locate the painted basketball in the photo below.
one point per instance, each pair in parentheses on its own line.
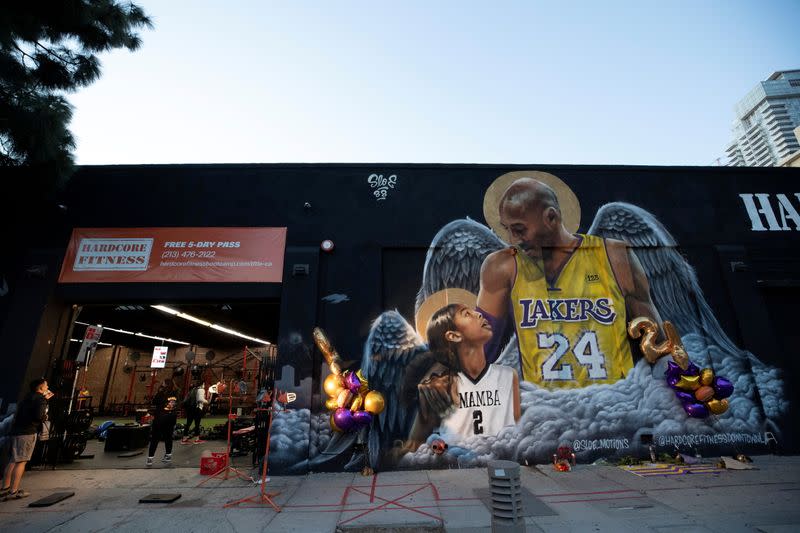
(704,393)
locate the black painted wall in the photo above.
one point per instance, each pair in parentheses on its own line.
(380,244)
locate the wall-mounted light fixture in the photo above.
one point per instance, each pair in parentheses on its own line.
(202,322)
(327,245)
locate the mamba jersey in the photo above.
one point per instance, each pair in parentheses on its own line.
(485,405)
(573,333)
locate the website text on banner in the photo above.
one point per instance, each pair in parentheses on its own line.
(103,255)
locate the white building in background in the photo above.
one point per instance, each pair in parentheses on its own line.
(792,160)
(765,119)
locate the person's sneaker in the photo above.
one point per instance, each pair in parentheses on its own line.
(4,492)
(197,440)
(18,495)
(149,461)
(167,458)
(185,440)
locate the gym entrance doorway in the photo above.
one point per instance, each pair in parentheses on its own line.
(123,360)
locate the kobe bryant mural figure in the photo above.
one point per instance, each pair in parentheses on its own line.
(569,293)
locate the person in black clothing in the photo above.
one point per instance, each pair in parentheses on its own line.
(195,405)
(165,404)
(31,412)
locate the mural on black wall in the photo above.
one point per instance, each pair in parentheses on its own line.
(520,345)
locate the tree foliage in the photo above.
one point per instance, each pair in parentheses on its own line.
(48,49)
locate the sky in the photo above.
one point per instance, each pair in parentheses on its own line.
(530,82)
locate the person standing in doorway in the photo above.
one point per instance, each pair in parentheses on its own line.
(165,404)
(31,413)
(195,405)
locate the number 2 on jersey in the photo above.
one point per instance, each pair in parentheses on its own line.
(477,420)
(586,351)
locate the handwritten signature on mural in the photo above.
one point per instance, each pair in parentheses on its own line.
(600,444)
(381,185)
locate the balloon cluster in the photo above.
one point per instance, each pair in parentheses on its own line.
(350,401)
(700,392)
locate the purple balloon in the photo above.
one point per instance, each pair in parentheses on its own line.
(685,397)
(673,371)
(692,370)
(696,410)
(344,419)
(673,381)
(362,418)
(722,388)
(352,383)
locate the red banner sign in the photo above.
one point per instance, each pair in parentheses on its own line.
(103,255)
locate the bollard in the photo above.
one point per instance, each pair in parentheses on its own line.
(506,492)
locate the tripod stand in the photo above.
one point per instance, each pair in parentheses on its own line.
(226,470)
(263,497)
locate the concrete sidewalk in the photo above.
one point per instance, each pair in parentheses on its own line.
(590,498)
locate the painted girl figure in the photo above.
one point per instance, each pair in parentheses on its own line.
(462,395)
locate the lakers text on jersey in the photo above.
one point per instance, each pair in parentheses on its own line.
(572,332)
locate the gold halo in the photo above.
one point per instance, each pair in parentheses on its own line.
(570,206)
(436,301)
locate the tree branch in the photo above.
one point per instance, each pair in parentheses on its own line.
(54,54)
(24,55)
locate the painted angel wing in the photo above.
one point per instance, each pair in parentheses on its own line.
(674,286)
(678,297)
(391,346)
(455,256)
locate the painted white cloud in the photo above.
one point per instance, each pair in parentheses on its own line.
(619,413)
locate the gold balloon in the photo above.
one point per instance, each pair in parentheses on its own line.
(357,403)
(328,351)
(706,376)
(344,397)
(330,404)
(640,325)
(679,354)
(374,403)
(689,383)
(645,327)
(364,388)
(718,406)
(332,385)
